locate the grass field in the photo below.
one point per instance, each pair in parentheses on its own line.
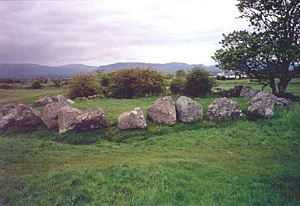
(204,163)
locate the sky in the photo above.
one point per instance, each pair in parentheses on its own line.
(103,32)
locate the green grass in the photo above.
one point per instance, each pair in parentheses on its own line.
(27,96)
(204,163)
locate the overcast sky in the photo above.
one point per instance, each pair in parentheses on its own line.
(109,31)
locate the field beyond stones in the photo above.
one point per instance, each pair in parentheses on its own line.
(239,162)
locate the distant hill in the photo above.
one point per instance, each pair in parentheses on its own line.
(167,68)
(35,70)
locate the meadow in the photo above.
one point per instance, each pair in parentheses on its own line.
(239,162)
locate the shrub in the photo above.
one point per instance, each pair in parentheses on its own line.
(83,85)
(178,84)
(36,85)
(198,83)
(56,82)
(134,82)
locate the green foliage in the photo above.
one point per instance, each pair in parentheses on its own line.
(272,49)
(198,83)
(134,82)
(36,85)
(178,84)
(195,83)
(57,82)
(83,85)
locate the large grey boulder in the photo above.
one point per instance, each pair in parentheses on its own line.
(42,102)
(67,118)
(93,118)
(132,120)
(7,108)
(188,110)
(263,104)
(163,111)
(223,109)
(248,92)
(50,115)
(22,116)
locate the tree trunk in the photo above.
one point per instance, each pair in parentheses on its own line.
(272,85)
(282,85)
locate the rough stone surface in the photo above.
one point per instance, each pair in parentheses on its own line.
(8,108)
(132,120)
(26,116)
(50,115)
(223,109)
(263,104)
(248,92)
(42,102)
(7,121)
(188,110)
(22,116)
(93,118)
(67,118)
(163,111)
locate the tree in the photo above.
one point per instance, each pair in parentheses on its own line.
(198,83)
(272,49)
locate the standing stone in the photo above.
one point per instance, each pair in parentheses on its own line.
(132,120)
(188,110)
(67,118)
(223,109)
(93,118)
(50,116)
(163,111)
(8,108)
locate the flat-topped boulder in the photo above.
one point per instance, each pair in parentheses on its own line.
(132,120)
(223,109)
(188,110)
(163,111)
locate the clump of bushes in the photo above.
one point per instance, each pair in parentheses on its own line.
(83,85)
(133,82)
(36,85)
(195,83)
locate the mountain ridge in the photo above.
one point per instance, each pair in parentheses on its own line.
(29,70)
